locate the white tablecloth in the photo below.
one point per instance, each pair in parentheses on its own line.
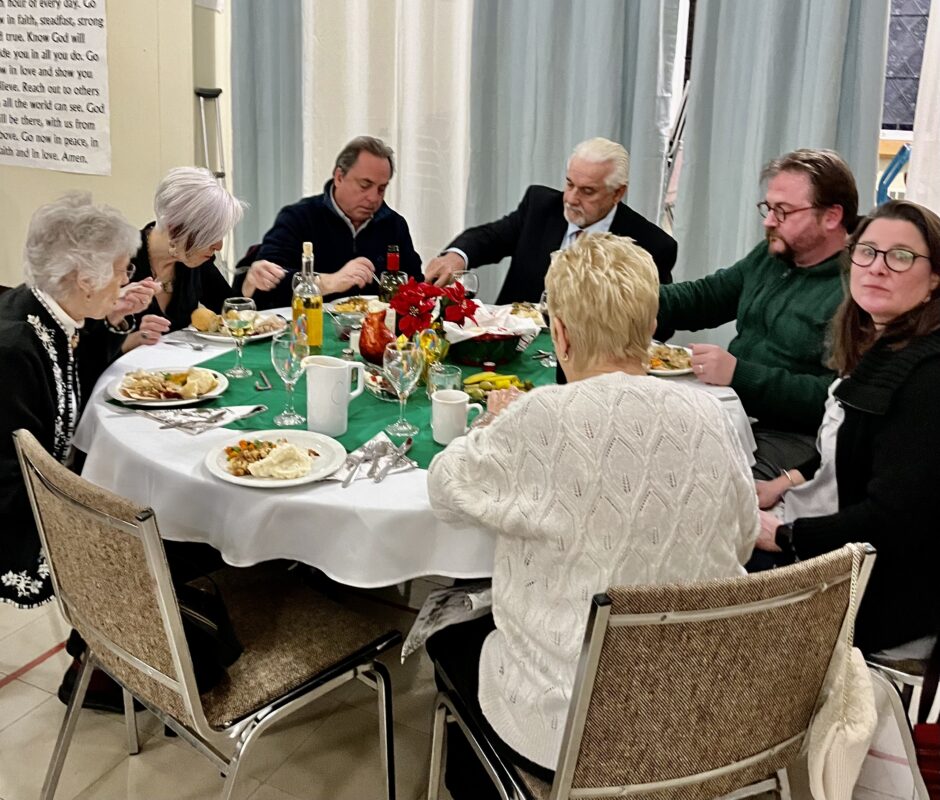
(367,535)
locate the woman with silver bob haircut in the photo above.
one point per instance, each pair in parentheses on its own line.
(194,213)
(75,263)
(586,486)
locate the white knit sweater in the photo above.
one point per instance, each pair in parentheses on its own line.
(611,481)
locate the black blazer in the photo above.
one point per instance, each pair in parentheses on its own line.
(532,232)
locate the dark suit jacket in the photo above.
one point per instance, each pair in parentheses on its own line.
(532,232)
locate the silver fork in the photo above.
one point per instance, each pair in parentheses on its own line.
(378,450)
(366,453)
(181,343)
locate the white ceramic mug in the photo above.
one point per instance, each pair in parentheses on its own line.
(449,411)
(328,393)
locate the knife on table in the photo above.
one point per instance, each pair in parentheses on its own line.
(394,458)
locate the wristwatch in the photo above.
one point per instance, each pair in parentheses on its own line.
(784,539)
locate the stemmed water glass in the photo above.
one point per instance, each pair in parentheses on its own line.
(470,282)
(403,364)
(543,307)
(238,315)
(550,360)
(288,350)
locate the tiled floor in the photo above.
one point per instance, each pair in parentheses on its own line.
(329,750)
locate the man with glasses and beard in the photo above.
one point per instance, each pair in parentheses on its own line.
(783,295)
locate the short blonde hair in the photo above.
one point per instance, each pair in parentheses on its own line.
(194,209)
(605,289)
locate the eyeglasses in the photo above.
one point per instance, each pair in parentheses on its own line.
(897,259)
(131,269)
(764,208)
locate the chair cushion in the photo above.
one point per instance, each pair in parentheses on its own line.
(910,657)
(291,633)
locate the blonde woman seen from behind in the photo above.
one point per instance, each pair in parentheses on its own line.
(616,478)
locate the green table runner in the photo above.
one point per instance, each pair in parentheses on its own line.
(367,414)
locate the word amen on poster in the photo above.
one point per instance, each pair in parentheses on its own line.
(54,111)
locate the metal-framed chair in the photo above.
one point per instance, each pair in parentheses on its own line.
(906,665)
(685,691)
(112,583)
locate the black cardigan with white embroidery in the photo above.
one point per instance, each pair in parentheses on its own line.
(40,392)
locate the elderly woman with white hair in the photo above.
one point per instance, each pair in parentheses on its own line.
(76,259)
(194,213)
(616,478)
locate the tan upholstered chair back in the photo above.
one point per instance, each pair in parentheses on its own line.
(96,546)
(678,698)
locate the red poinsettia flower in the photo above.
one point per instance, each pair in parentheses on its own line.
(458,312)
(414,305)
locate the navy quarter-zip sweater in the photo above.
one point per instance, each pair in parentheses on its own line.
(316,219)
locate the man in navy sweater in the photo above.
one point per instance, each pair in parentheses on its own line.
(350,226)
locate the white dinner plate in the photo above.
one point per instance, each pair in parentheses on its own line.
(671,373)
(114,391)
(331,307)
(332,455)
(223,336)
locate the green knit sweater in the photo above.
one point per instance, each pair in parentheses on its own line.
(783,314)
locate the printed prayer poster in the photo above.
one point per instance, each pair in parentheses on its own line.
(54,111)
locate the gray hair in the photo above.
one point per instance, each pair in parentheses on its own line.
(71,239)
(601,151)
(194,209)
(350,153)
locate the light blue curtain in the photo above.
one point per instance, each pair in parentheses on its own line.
(769,77)
(547,74)
(266,112)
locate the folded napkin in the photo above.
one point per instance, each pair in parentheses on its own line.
(199,420)
(362,456)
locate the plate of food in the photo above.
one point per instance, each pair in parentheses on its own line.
(168,387)
(667,360)
(528,311)
(276,459)
(351,305)
(207,324)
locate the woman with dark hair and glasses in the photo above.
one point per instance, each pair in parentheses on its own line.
(880,439)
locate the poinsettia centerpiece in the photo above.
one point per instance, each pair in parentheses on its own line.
(422,305)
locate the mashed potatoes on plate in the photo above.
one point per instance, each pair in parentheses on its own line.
(285,461)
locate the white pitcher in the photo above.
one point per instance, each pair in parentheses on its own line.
(328,392)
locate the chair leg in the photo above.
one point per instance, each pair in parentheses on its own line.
(438,730)
(68,728)
(383,687)
(130,722)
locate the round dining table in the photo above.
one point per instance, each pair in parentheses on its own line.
(367,535)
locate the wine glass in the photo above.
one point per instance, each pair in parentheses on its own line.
(543,307)
(287,354)
(403,364)
(238,315)
(470,282)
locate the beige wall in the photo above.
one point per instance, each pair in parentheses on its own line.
(150,61)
